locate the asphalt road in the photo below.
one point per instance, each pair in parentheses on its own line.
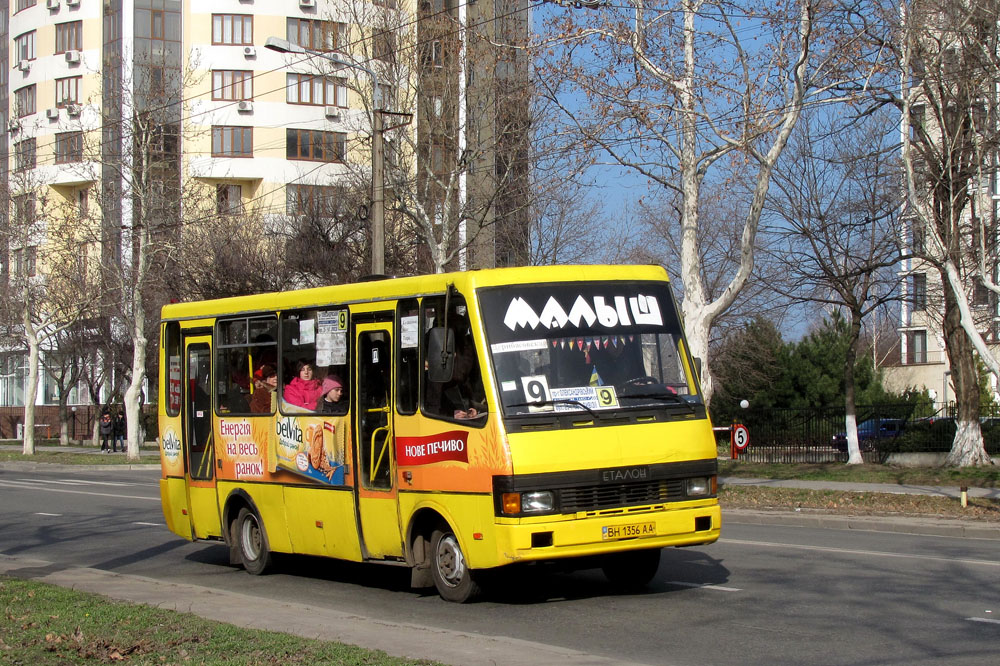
(764,594)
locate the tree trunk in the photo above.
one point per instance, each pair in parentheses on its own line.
(133,394)
(967,448)
(63,420)
(32,388)
(850,409)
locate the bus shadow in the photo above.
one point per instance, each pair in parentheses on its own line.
(547,583)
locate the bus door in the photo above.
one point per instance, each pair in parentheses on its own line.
(378,501)
(199,449)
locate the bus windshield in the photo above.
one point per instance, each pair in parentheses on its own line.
(588,347)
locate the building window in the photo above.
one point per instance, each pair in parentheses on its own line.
(83,202)
(24,261)
(232,29)
(69,36)
(317,35)
(317,201)
(918,235)
(25,154)
(24,210)
(69,147)
(24,4)
(918,291)
(24,101)
(68,91)
(316,90)
(384,45)
(980,294)
(24,46)
(302,144)
(232,84)
(232,141)
(228,199)
(916,347)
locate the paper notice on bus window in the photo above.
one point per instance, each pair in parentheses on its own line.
(307,332)
(517,345)
(409,332)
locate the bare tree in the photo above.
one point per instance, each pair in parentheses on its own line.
(453,101)
(673,91)
(835,208)
(939,68)
(44,297)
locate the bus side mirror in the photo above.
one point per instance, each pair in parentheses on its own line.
(440,354)
(697,367)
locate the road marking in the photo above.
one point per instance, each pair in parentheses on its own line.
(983,619)
(34,486)
(55,515)
(706,586)
(849,551)
(149,524)
(85,482)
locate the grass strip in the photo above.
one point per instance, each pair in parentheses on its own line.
(42,625)
(857,503)
(979,477)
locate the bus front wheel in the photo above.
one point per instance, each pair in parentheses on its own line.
(453,578)
(633,569)
(252,542)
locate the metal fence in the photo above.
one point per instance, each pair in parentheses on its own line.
(816,436)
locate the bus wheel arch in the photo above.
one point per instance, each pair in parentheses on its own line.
(438,559)
(245,534)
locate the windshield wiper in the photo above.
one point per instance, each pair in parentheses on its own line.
(555,401)
(665,397)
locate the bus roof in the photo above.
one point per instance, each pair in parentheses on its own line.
(392,288)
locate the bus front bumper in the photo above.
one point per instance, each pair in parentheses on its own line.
(566,536)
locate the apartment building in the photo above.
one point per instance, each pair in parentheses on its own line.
(233,126)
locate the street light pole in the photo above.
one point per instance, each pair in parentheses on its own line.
(378,156)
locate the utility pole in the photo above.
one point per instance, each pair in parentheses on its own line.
(378,192)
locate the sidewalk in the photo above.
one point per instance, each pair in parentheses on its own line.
(929,526)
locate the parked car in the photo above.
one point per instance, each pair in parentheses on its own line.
(870,432)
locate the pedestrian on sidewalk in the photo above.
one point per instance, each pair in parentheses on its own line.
(120,429)
(107,431)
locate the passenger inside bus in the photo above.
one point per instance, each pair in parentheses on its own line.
(304,390)
(332,401)
(265,385)
(463,397)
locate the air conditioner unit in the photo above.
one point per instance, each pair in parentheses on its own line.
(332,112)
(52,4)
(72,56)
(307,4)
(52,114)
(13,126)
(24,65)
(72,3)
(249,52)
(246,106)
(72,109)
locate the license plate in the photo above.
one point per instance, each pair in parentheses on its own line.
(629,531)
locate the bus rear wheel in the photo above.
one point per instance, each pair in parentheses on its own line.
(453,578)
(632,570)
(252,541)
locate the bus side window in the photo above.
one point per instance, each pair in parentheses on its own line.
(462,396)
(172,357)
(244,347)
(408,368)
(314,360)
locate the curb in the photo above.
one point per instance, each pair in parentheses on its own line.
(401,639)
(943,527)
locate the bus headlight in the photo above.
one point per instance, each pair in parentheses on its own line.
(701,486)
(537,501)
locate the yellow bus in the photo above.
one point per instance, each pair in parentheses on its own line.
(450,423)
